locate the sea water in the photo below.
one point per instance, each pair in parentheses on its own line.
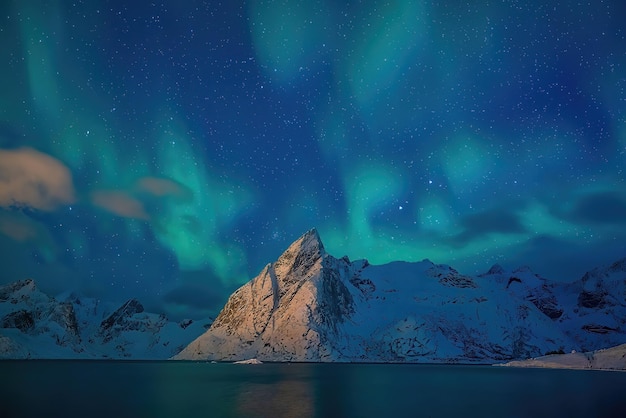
(198,389)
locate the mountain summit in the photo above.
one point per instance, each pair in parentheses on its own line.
(311,306)
(293,310)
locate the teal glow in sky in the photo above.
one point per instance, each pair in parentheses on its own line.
(170,150)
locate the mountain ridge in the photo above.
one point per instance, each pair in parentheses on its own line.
(35,325)
(312,306)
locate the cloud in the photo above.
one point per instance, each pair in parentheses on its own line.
(17,226)
(600,208)
(29,251)
(502,221)
(162,187)
(23,229)
(120,203)
(142,199)
(565,259)
(31,178)
(192,300)
(194,296)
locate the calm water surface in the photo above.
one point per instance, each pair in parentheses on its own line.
(188,389)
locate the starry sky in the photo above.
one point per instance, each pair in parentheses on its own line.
(168,150)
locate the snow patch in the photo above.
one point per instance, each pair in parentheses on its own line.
(249,361)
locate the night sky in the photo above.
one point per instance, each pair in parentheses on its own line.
(169,150)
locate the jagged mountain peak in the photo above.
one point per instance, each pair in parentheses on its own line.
(615,270)
(524,269)
(301,296)
(618,266)
(309,242)
(127,310)
(20,285)
(300,257)
(495,269)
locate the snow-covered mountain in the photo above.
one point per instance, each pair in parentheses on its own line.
(35,325)
(311,306)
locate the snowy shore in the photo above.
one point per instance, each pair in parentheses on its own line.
(613,358)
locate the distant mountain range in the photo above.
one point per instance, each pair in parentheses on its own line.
(35,325)
(311,306)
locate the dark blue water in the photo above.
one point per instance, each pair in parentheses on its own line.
(185,389)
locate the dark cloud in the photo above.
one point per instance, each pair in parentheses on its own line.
(501,221)
(194,296)
(199,294)
(565,260)
(600,208)
(33,258)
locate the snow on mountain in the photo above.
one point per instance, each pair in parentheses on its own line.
(596,308)
(590,311)
(35,325)
(311,306)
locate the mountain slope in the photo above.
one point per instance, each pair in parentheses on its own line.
(310,306)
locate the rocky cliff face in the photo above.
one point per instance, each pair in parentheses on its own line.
(311,306)
(35,325)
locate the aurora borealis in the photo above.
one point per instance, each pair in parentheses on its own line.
(169,150)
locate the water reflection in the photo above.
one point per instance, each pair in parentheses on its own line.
(285,399)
